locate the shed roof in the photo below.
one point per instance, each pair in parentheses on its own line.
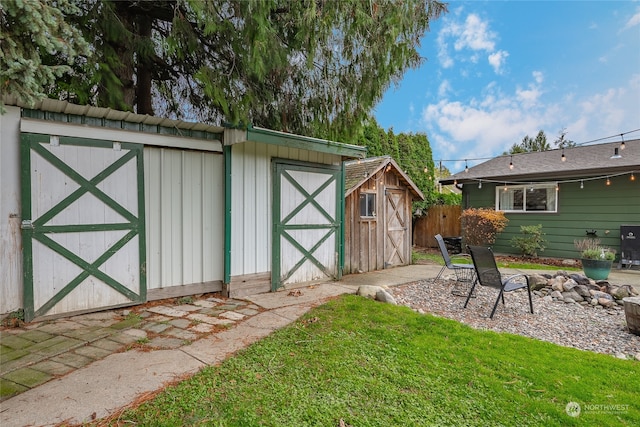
(66,111)
(357,172)
(64,107)
(581,161)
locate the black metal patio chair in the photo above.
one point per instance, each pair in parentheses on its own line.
(487,274)
(463,272)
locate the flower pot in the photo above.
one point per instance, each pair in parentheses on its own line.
(596,269)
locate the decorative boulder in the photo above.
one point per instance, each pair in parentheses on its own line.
(369,291)
(385,296)
(583,291)
(537,282)
(569,285)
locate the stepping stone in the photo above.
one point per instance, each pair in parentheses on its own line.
(232,315)
(167,311)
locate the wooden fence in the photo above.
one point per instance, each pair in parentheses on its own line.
(443,220)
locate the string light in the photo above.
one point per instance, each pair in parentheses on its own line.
(511,163)
(563,158)
(480,184)
(622,144)
(608,181)
(557,187)
(581,184)
(633,177)
(466,166)
(505,186)
(426,169)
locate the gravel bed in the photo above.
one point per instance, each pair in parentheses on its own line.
(572,325)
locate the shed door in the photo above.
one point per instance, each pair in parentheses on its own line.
(83,224)
(307,202)
(396,240)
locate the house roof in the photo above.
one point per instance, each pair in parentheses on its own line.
(581,161)
(357,172)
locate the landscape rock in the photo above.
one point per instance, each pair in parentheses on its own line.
(605,302)
(369,291)
(569,285)
(622,292)
(537,282)
(385,296)
(582,290)
(556,284)
(573,295)
(580,280)
(556,295)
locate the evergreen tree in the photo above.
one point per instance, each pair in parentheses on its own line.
(33,30)
(309,67)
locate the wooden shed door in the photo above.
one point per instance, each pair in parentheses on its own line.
(396,243)
(306,229)
(83,224)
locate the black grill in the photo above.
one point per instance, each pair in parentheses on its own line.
(629,245)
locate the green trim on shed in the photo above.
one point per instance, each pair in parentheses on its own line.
(267,136)
(226,150)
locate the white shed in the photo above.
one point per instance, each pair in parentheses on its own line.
(103,208)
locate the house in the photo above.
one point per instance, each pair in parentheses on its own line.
(104,208)
(378,215)
(588,190)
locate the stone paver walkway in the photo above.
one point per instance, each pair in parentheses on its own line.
(39,352)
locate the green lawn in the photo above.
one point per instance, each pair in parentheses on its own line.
(523,265)
(374,364)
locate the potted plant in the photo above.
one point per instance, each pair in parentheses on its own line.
(596,259)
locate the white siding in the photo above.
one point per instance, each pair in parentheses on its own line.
(184,202)
(251,196)
(10,238)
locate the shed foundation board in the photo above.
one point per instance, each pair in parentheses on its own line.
(249,284)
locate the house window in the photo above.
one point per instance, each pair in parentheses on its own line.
(367,204)
(527,198)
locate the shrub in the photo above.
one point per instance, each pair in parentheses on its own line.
(480,226)
(590,248)
(531,240)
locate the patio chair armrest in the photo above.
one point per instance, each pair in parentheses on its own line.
(515,276)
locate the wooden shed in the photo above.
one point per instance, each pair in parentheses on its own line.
(378,215)
(104,208)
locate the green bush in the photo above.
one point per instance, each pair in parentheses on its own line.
(531,240)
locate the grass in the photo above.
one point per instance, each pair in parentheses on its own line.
(437,259)
(371,364)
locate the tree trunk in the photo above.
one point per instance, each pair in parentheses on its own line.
(143,92)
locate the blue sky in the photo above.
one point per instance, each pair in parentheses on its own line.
(496,71)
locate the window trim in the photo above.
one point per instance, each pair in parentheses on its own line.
(375,201)
(526,188)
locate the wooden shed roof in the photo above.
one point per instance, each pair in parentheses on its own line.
(357,172)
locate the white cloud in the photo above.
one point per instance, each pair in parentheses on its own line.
(538,76)
(475,35)
(497,60)
(632,22)
(487,127)
(444,88)
(472,38)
